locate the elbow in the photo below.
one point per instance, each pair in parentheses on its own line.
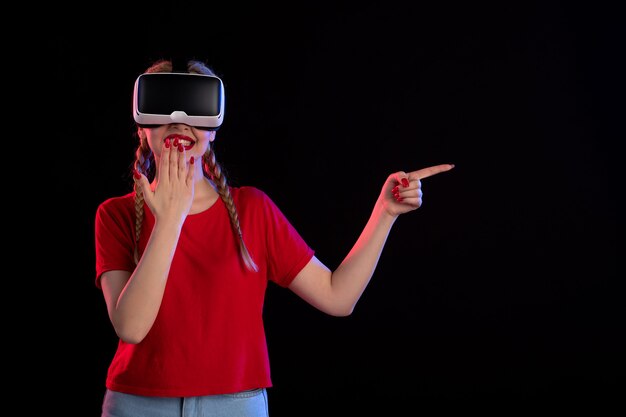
(341,314)
(132,337)
(345,313)
(128,333)
(340,311)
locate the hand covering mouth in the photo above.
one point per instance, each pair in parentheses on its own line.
(186,141)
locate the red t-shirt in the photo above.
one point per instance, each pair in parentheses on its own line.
(208,337)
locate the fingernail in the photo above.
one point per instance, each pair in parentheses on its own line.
(136,174)
(167,142)
(405,182)
(191,160)
(175,142)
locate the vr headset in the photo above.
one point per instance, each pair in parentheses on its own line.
(193,99)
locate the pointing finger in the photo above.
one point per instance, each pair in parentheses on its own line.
(430,171)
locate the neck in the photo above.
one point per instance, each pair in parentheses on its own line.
(205,195)
(204,188)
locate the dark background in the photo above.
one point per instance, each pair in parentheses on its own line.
(502,289)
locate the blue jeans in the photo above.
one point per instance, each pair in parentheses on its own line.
(252,403)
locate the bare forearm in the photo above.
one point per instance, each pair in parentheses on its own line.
(336,293)
(140,300)
(349,280)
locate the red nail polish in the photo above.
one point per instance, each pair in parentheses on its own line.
(180,148)
(191,160)
(176,142)
(405,182)
(136,174)
(167,142)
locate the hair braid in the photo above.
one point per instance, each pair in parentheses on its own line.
(213,170)
(142,165)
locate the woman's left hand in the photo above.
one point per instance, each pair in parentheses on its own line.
(402,192)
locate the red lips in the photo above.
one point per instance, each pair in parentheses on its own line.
(177,138)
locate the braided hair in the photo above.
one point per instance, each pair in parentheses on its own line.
(144,164)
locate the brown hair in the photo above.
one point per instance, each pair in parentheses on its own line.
(210,167)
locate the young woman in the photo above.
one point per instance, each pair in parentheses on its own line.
(184,260)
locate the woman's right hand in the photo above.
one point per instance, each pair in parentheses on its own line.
(173,190)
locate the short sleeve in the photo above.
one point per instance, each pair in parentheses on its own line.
(114,237)
(287,251)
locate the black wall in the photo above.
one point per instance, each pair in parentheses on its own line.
(501,289)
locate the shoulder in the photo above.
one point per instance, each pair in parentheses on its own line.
(249,199)
(249,195)
(119,204)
